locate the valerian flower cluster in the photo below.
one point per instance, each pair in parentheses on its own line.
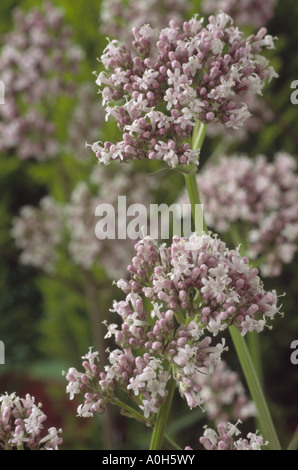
(39,65)
(38,232)
(42,232)
(261,113)
(239,191)
(225,439)
(224,396)
(175,77)
(35,63)
(22,425)
(197,288)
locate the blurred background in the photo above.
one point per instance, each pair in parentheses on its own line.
(56,278)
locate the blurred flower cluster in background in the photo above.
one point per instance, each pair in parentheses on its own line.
(56,276)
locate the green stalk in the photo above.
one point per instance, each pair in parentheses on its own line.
(162,418)
(253,339)
(171,442)
(198,135)
(253,343)
(191,179)
(128,411)
(266,423)
(132,413)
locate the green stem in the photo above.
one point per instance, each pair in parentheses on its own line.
(294,441)
(246,362)
(198,135)
(171,442)
(253,339)
(191,179)
(266,423)
(254,347)
(131,412)
(253,343)
(162,418)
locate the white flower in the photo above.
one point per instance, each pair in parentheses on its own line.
(112,329)
(136,384)
(185,355)
(215,326)
(73,388)
(18,437)
(51,436)
(156,387)
(84,411)
(149,407)
(194,65)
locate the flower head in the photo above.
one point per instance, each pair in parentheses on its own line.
(224,396)
(175,77)
(21,425)
(200,276)
(259,194)
(225,439)
(196,288)
(38,232)
(36,61)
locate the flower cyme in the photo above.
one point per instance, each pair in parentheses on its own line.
(259,194)
(38,232)
(224,439)
(37,62)
(178,76)
(21,425)
(201,277)
(172,338)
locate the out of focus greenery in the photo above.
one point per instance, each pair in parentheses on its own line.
(44,324)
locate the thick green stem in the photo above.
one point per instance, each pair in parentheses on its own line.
(266,423)
(246,362)
(191,181)
(253,343)
(254,347)
(253,339)
(162,418)
(198,135)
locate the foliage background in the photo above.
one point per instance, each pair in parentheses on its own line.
(45,326)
